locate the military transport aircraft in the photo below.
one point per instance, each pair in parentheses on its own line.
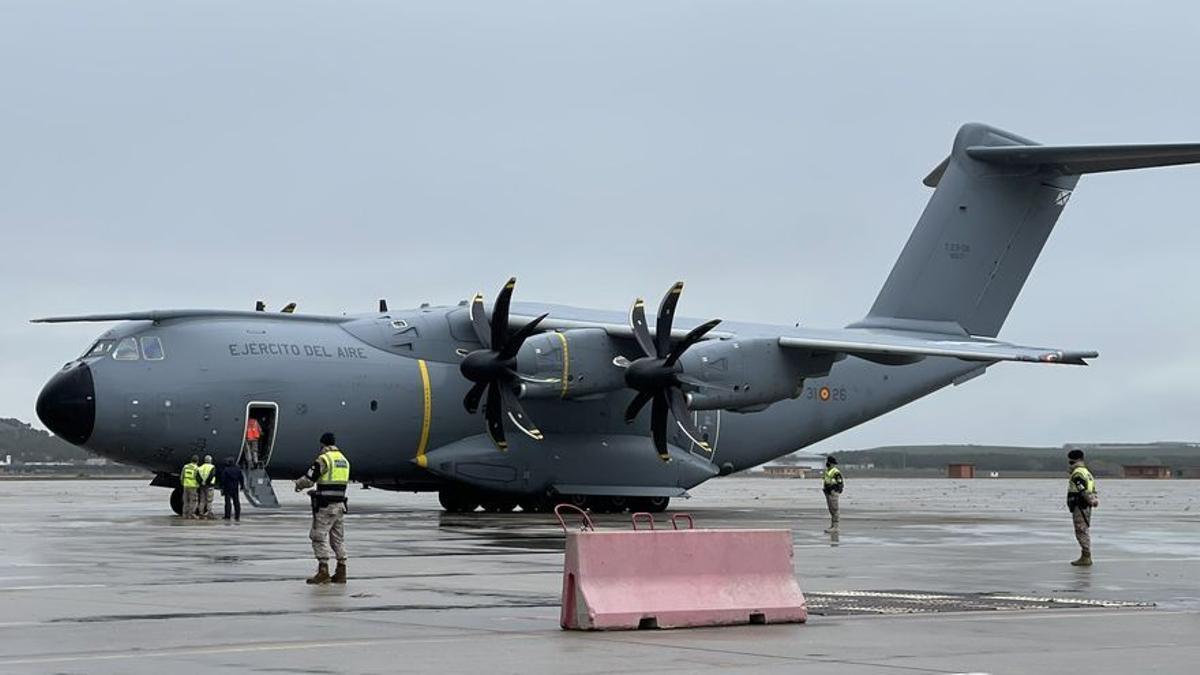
(564,391)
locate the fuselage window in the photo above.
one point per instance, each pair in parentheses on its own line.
(152,349)
(101,348)
(127,350)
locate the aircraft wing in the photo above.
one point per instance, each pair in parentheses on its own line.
(881,346)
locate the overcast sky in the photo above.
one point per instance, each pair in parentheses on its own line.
(206,154)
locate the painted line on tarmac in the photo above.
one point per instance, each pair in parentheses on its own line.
(50,586)
(238,649)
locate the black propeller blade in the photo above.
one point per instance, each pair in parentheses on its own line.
(493,368)
(657,377)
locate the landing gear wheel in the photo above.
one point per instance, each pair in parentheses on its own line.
(498,504)
(579,501)
(457,501)
(649,504)
(177,501)
(612,504)
(534,504)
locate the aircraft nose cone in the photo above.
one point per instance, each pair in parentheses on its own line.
(67,404)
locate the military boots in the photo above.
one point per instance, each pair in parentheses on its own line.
(322,575)
(339,574)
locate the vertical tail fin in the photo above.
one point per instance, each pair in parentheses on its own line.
(997,198)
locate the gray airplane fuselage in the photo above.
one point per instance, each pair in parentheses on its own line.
(363,380)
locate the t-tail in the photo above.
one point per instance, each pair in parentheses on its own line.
(996,200)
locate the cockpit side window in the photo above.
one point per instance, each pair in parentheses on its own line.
(152,349)
(126,350)
(101,348)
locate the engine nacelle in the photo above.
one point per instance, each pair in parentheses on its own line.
(576,363)
(749,374)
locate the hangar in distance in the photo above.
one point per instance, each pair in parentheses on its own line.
(522,403)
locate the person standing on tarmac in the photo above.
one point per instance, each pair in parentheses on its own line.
(331,474)
(832,487)
(208,477)
(232,481)
(189,479)
(1081,499)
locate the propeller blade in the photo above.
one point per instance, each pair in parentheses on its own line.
(683,417)
(500,313)
(636,405)
(516,413)
(479,322)
(493,412)
(471,400)
(666,316)
(690,339)
(514,344)
(637,321)
(658,425)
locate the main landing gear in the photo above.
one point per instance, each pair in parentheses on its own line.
(465,500)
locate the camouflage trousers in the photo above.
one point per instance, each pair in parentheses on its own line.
(204,499)
(1083,525)
(190,499)
(831,500)
(327,532)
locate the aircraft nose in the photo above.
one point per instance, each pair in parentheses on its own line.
(67,404)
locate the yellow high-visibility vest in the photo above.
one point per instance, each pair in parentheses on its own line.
(1081,471)
(188,477)
(335,468)
(833,476)
(204,471)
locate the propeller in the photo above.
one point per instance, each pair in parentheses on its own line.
(493,368)
(658,377)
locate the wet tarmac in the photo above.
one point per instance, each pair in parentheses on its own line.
(926,576)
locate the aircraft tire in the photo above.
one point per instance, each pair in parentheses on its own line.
(649,504)
(611,504)
(177,501)
(457,501)
(498,504)
(534,504)
(580,501)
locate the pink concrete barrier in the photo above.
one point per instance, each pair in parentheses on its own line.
(677,578)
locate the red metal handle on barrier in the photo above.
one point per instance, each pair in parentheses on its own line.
(647,516)
(677,516)
(587,520)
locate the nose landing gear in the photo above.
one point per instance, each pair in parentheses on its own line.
(177,501)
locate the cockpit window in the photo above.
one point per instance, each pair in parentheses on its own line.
(127,350)
(101,348)
(152,349)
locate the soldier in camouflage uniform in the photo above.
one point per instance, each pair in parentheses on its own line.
(832,486)
(1081,498)
(331,474)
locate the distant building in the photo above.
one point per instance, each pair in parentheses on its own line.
(1145,471)
(960,470)
(785,471)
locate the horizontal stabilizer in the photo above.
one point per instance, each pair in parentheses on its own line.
(1076,160)
(887,346)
